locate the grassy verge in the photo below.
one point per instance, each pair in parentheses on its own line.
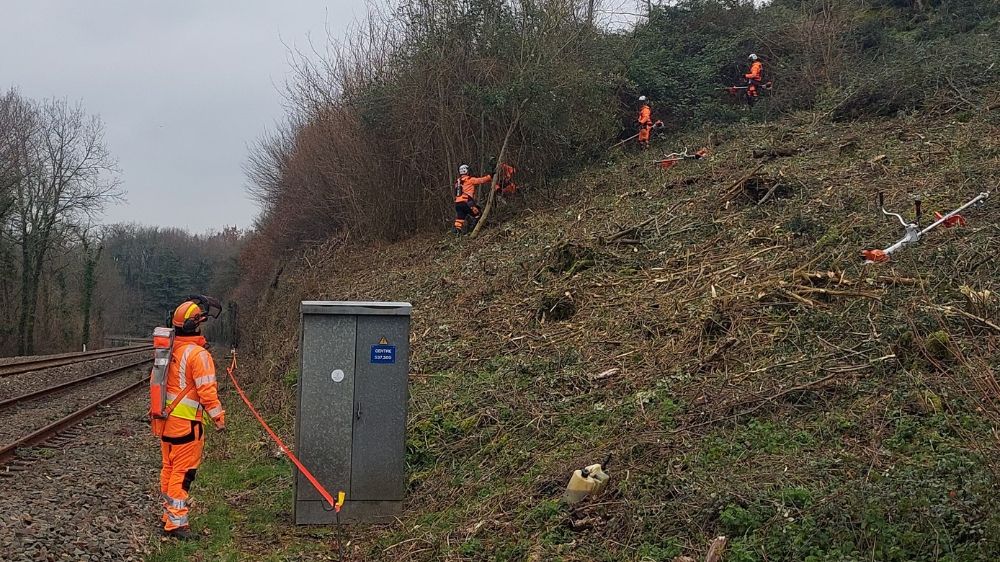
(242,500)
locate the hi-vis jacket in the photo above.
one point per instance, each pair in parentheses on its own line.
(465,187)
(756,71)
(192,365)
(645,116)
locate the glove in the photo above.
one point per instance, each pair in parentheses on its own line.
(220,422)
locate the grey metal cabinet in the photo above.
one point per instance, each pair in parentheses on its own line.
(350,427)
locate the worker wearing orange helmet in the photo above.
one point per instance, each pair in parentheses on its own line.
(191,377)
(466,209)
(645,122)
(754,78)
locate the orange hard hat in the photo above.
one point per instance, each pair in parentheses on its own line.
(188,316)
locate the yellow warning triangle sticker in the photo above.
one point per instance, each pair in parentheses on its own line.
(383,341)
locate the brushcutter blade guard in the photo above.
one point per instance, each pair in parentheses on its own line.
(954,220)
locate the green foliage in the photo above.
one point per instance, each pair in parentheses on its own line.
(471,547)
(666,551)
(849,58)
(738,520)
(686,51)
(796,497)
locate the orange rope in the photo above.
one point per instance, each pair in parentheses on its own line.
(298,464)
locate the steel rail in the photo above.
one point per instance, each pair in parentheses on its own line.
(43,434)
(60,386)
(49,361)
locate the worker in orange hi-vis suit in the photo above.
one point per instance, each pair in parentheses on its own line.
(754,78)
(505,183)
(645,122)
(190,375)
(467,211)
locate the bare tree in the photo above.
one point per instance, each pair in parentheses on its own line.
(91,257)
(18,123)
(67,178)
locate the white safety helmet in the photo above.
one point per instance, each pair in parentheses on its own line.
(753,56)
(463,169)
(642,98)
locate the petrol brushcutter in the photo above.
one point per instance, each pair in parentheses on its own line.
(912,231)
(734,90)
(669,160)
(656,127)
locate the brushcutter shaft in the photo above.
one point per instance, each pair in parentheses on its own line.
(972,202)
(619,143)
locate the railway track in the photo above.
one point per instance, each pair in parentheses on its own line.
(63,385)
(47,361)
(60,431)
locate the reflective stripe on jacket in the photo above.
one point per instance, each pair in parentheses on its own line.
(192,365)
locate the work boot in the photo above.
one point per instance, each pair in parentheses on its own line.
(181,533)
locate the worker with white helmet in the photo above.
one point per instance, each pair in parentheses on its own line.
(645,122)
(466,209)
(754,78)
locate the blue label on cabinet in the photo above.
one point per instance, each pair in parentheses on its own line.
(384,354)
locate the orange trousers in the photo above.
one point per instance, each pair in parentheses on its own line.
(180,450)
(644,134)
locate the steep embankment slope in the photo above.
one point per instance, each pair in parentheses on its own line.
(720,338)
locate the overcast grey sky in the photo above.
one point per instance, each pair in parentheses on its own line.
(183,88)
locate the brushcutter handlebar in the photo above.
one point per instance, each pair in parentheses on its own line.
(881,205)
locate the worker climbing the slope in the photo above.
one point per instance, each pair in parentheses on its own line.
(466,209)
(754,78)
(190,377)
(505,183)
(645,122)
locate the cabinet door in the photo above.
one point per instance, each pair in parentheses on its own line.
(380,395)
(326,401)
